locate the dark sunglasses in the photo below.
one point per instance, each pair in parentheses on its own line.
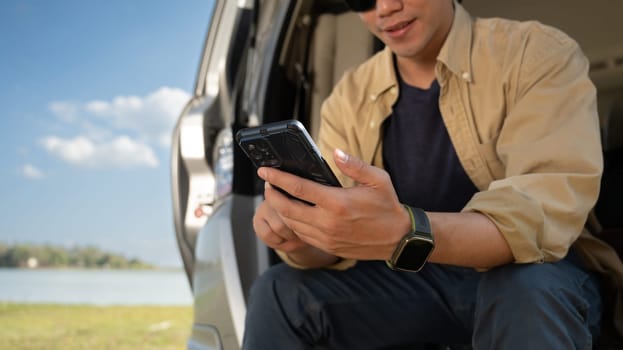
(361,5)
(365,5)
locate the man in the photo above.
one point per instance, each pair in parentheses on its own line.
(469,151)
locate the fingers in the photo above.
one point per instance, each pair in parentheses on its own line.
(300,218)
(288,208)
(266,234)
(358,170)
(296,186)
(273,231)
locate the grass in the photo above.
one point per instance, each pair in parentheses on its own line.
(44,326)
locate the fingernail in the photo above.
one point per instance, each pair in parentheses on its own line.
(341,156)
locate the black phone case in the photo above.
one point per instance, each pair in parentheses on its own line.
(286,145)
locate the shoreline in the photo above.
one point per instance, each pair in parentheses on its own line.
(95,286)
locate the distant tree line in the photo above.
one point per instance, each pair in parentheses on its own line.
(34,255)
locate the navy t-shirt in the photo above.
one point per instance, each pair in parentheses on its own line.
(419,156)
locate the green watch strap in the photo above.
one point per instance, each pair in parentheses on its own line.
(419,220)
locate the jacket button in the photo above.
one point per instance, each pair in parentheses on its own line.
(466,76)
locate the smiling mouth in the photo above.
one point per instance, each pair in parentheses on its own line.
(399,26)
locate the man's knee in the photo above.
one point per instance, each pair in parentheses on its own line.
(521,281)
(533,301)
(272,283)
(288,291)
(530,283)
(533,290)
(287,303)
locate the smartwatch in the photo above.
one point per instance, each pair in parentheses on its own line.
(416,246)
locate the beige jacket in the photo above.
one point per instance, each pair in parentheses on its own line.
(521,112)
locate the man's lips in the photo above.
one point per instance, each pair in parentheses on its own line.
(397,29)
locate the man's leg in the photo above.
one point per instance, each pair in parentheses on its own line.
(537,306)
(366,307)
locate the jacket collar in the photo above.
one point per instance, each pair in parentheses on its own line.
(455,54)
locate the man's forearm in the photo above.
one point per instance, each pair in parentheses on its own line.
(468,239)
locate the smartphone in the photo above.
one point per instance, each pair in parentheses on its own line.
(286,145)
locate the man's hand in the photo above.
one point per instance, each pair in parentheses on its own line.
(270,228)
(363,222)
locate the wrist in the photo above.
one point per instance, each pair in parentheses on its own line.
(403,227)
(416,246)
(311,257)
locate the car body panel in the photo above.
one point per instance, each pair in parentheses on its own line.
(216,289)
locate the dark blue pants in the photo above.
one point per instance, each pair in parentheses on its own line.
(534,306)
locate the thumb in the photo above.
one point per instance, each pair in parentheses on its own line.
(357,169)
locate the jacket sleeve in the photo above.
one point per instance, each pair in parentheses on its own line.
(550,149)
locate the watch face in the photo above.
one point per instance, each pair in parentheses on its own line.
(414,254)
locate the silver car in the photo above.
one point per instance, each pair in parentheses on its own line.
(268,60)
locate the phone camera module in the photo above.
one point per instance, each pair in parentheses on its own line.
(254,152)
(263,146)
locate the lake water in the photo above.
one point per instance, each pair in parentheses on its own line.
(98,287)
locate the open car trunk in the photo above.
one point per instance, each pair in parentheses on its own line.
(268,60)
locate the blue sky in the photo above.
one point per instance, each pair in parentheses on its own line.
(89,94)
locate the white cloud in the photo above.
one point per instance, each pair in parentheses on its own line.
(120,152)
(120,132)
(76,150)
(96,106)
(152,117)
(32,172)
